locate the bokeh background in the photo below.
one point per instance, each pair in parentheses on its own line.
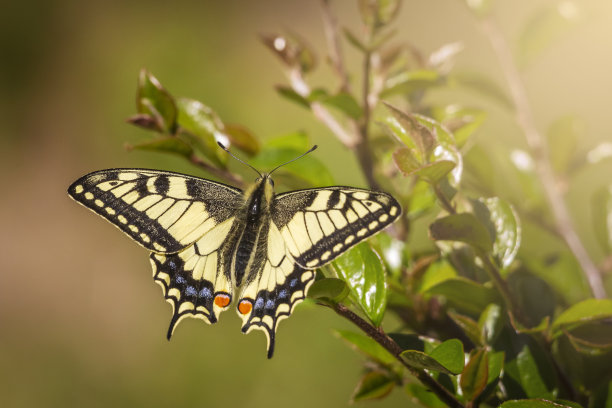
(81,321)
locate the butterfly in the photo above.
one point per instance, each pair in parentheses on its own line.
(212,244)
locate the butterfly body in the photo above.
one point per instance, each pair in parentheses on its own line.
(211,243)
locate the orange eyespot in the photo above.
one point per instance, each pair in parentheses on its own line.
(222,300)
(245,306)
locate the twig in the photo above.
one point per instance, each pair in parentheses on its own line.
(539,149)
(330,25)
(392,347)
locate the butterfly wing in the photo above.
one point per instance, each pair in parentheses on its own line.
(309,229)
(162,211)
(197,281)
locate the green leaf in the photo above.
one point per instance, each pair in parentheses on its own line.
(329,288)
(436,272)
(534,294)
(483,85)
(547,25)
(288,93)
(446,149)
(592,339)
(378,13)
(408,82)
(450,355)
(292,50)
(296,141)
(601,217)
(342,101)
(363,270)
(411,132)
(408,164)
(424,396)
(354,41)
(500,216)
(536,403)
(496,365)
(308,168)
(368,346)
(491,323)
(144,121)
(165,145)
(468,325)
(242,138)
(420,360)
(373,385)
(563,135)
(464,294)
(203,123)
(462,122)
(463,228)
(528,367)
(474,377)
(153,99)
(589,310)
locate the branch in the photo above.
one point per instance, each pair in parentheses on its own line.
(539,149)
(330,25)
(392,347)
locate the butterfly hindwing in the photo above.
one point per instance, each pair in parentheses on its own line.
(162,211)
(197,280)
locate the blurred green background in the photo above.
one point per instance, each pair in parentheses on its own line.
(81,321)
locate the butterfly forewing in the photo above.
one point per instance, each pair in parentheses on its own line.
(162,211)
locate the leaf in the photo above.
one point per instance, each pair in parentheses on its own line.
(450,355)
(491,323)
(408,130)
(601,217)
(547,25)
(144,121)
(378,13)
(363,270)
(464,294)
(407,163)
(436,272)
(496,365)
(153,99)
(354,41)
(368,346)
(242,138)
(292,50)
(308,168)
(468,325)
(288,93)
(424,396)
(343,101)
(204,124)
(504,222)
(373,385)
(534,294)
(420,360)
(329,288)
(563,135)
(462,122)
(165,145)
(296,141)
(587,311)
(462,227)
(535,403)
(483,85)
(593,339)
(475,375)
(408,82)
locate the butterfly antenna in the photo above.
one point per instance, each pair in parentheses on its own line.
(292,160)
(221,145)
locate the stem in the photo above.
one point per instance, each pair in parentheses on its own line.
(539,149)
(392,347)
(330,25)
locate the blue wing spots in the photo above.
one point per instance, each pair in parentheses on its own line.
(171,264)
(293,282)
(258,303)
(180,280)
(191,291)
(283,294)
(205,293)
(270,304)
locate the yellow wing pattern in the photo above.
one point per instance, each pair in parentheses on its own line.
(309,229)
(162,211)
